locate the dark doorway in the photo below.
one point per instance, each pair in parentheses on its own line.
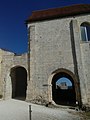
(19,82)
(63,89)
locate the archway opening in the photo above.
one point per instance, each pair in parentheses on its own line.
(63,89)
(19,82)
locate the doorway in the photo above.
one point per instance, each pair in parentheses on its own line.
(19,82)
(64,89)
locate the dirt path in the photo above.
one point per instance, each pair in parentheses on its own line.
(19,110)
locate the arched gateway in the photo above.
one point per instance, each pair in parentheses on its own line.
(65,88)
(58,38)
(19,82)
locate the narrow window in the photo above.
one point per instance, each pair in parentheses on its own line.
(85,31)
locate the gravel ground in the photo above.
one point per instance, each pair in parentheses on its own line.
(19,110)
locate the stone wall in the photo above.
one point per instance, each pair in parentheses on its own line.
(9,60)
(56,44)
(53,46)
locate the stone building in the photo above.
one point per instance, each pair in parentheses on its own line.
(59,46)
(13,75)
(63,85)
(58,49)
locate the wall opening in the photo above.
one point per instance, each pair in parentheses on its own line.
(85,31)
(19,82)
(63,89)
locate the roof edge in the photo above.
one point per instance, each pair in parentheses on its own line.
(61,12)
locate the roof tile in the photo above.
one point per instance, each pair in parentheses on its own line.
(59,12)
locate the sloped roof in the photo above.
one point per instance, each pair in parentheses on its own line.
(4,49)
(59,12)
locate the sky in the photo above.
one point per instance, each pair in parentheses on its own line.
(14,13)
(64,79)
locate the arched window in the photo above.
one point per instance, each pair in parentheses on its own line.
(85,31)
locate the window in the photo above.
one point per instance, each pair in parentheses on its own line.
(85,31)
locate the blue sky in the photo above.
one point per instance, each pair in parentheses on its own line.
(13,13)
(64,79)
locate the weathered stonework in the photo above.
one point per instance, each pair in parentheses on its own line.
(9,60)
(56,45)
(55,49)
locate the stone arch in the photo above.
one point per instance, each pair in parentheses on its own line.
(85,22)
(19,82)
(71,76)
